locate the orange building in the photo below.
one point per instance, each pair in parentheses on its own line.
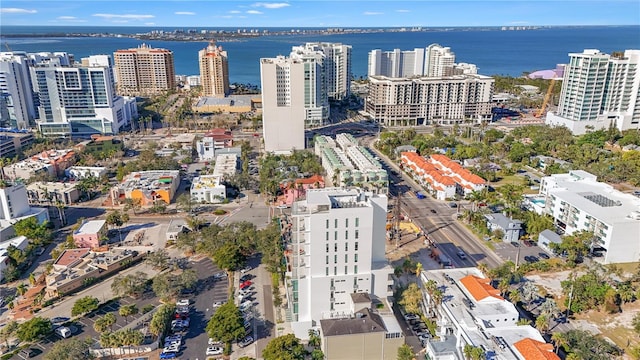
(149,187)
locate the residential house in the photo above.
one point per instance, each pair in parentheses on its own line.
(512,229)
(90,233)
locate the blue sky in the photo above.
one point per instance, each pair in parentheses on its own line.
(319,13)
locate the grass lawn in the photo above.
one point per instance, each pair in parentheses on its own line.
(616,327)
(515,180)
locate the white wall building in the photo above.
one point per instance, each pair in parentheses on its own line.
(337,67)
(337,248)
(19,242)
(577,201)
(226,164)
(79,100)
(472,312)
(432,61)
(283,109)
(14,206)
(80,172)
(16,96)
(599,90)
(208,189)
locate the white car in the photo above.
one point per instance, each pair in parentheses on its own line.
(245,305)
(410,317)
(246,341)
(213,342)
(217,304)
(183,302)
(214,350)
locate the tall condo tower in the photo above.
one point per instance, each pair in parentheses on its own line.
(144,71)
(17,108)
(599,90)
(337,248)
(214,71)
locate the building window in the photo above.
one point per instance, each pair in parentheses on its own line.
(326,271)
(346,222)
(346,258)
(327,237)
(335,223)
(345,270)
(357,234)
(335,247)
(335,235)
(335,259)
(327,247)
(346,246)
(357,222)
(355,258)
(327,260)
(335,271)
(356,246)
(355,269)
(327,223)
(346,235)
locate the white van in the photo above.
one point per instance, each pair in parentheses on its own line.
(63,331)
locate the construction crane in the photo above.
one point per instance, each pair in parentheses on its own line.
(547,96)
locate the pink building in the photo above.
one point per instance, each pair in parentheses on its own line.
(90,233)
(293,191)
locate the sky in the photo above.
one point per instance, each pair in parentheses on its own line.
(319,13)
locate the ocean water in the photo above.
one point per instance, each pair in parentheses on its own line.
(493,51)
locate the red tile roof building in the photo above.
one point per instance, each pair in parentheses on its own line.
(531,349)
(442,176)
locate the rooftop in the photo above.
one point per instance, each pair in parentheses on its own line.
(480,288)
(321,200)
(51,186)
(90,227)
(365,321)
(535,350)
(226,164)
(231,100)
(503,221)
(149,180)
(206,181)
(70,256)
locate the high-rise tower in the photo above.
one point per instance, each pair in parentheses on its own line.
(214,71)
(144,71)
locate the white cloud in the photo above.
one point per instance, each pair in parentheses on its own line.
(402,11)
(17,11)
(184,13)
(254,12)
(149,23)
(124,16)
(67,18)
(368,13)
(271,5)
(235,12)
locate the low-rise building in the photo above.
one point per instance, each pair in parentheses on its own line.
(226,164)
(349,164)
(176,227)
(548,237)
(441,176)
(577,201)
(147,186)
(90,234)
(51,193)
(13,140)
(51,163)
(472,312)
(19,242)
(213,140)
(293,191)
(366,335)
(14,206)
(77,268)
(229,104)
(208,189)
(101,144)
(511,229)
(81,172)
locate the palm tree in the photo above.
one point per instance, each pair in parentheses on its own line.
(22,289)
(314,339)
(514,296)
(542,323)
(529,292)
(549,308)
(559,340)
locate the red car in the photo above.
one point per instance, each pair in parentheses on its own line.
(245,285)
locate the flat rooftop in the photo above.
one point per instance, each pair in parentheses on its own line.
(51,186)
(90,227)
(231,100)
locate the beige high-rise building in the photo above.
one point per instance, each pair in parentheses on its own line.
(214,71)
(144,70)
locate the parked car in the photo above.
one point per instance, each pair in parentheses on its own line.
(214,342)
(531,259)
(246,269)
(462,255)
(529,243)
(410,317)
(245,305)
(217,304)
(63,331)
(432,211)
(214,350)
(543,255)
(246,341)
(183,302)
(245,285)
(168,355)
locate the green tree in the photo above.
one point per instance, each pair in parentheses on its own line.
(317,354)
(185,202)
(314,339)
(8,331)
(229,257)
(473,352)
(132,285)
(412,299)
(226,324)
(636,323)
(34,329)
(405,352)
(158,259)
(162,319)
(586,346)
(128,310)
(84,305)
(39,234)
(286,347)
(71,349)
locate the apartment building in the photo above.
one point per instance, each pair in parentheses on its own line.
(472,312)
(577,201)
(81,172)
(283,106)
(52,193)
(213,140)
(90,234)
(349,164)
(19,243)
(432,61)
(599,90)
(337,67)
(79,100)
(208,189)
(150,187)
(12,141)
(336,248)
(14,206)
(441,176)
(144,71)
(429,100)
(214,71)
(17,109)
(226,165)
(51,163)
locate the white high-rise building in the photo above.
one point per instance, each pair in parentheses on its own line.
(16,96)
(336,64)
(337,248)
(283,106)
(316,101)
(79,100)
(432,61)
(599,90)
